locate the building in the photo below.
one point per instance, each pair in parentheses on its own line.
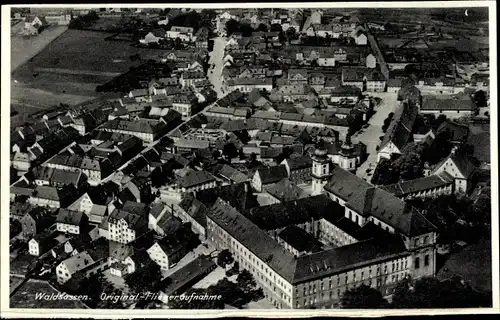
(196,180)
(458,167)
(52,197)
(35,221)
(73,222)
(298,168)
(33,25)
(451,107)
(319,279)
(399,132)
(268,175)
(320,170)
(183,33)
(125,227)
(426,187)
(81,263)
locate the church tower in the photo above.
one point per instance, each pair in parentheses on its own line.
(321,170)
(347,155)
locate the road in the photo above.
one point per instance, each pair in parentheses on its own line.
(370,135)
(216,59)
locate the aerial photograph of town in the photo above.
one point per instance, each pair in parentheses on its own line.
(250,158)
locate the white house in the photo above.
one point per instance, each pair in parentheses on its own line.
(459,167)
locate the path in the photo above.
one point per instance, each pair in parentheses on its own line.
(370,136)
(216,59)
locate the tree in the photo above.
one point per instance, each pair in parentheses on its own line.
(230,151)
(178,44)
(262,27)
(431,293)
(480,99)
(232,26)
(246,281)
(363,297)
(276,27)
(224,258)
(144,279)
(387,121)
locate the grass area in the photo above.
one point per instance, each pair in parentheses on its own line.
(69,68)
(479,137)
(473,264)
(25,297)
(21,263)
(14,282)
(24,48)
(86,50)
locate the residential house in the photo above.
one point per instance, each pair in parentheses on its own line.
(74,222)
(125,227)
(53,197)
(299,168)
(169,250)
(36,221)
(183,33)
(451,107)
(458,167)
(85,262)
(268,175)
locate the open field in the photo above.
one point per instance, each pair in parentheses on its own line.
(69,68)
(25,297)
(24,48)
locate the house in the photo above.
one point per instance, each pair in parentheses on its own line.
(95,209)
(285,190)
(231,175)
(298,241)
(83,262)
(268,175)
(399,132)
(33,25)
(74,222)
(458,167)
(456,133)
(154,36)
(121,259)
(451,107)
(393,84)
(36,221)
(366,79)
(40,244)
(196,180)
(299,168)
(53,197)
(183,33)
(360,38)
(125,227)
(96,169)
(167,251)
(249,84)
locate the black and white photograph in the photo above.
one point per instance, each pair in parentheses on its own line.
(320,157)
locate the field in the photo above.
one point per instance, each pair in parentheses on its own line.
(69,68)
(25,297)
(480,138)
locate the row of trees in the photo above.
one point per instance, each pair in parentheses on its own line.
(84,21)
(423,293)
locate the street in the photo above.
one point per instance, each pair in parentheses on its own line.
(216,59)
(370,135)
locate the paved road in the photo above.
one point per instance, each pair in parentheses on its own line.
(216,58)
(371,135)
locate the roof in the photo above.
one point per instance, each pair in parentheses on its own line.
(272,174)
(195,178)
(192,143)
(285,190)
(307,267)
(464,165)
(69,217)
(404,188)
(53,193)
(280,215)
(78,262)
(456,131)
(120,251)
(298,163)
(368,200)
(400,128)
(238,195)
(432,103)
(232,174)
(299,239)
(134,221)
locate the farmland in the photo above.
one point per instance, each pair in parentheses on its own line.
(70,67)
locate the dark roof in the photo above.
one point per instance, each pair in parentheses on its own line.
(440,103)
(238,195)
(69,217)
(285,190)
(299,239)
(456,131)
(404,188)
(279,215)
(195,178)
(401,126)
(120,251)
(298,163)
(367,200)
(272,174)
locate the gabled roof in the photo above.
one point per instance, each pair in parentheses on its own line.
(272,174)
(285,190)
(300,162)
(401,126)
(464,165)
(69,217)
(196,178)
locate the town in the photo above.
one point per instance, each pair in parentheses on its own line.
(272,158)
